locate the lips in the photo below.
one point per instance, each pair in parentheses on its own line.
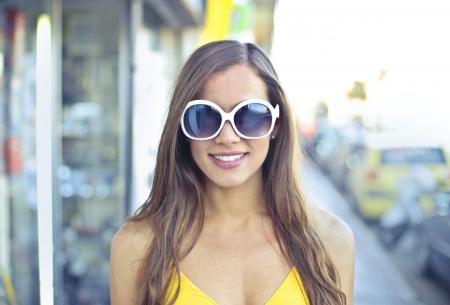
(228,153)
(228,160)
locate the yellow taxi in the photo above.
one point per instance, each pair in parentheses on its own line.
(388,159)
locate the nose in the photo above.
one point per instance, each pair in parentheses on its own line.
(227,135)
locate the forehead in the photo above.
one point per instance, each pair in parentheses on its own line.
(234,85)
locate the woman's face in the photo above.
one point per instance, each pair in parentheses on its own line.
(217,157)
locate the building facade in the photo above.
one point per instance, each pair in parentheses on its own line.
(84,87)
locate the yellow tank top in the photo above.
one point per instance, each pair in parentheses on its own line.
(290,292)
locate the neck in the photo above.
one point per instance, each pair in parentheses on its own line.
(236,205)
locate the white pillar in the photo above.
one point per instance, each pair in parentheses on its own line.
(44,157)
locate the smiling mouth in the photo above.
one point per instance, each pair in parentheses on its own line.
(229,158)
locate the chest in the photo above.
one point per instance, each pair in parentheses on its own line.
(236,270)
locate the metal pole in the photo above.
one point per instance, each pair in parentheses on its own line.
(44,156)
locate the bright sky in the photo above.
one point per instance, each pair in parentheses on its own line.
(322,46)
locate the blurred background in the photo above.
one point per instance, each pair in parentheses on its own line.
(84,89)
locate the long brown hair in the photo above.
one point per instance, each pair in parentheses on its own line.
(175,206)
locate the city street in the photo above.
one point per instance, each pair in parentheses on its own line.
(382,277)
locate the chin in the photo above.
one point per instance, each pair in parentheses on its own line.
(222,182)
(232,180)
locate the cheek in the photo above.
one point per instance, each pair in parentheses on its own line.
(197,151)
(260,149)
(263,145)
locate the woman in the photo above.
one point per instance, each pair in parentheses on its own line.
(225,211)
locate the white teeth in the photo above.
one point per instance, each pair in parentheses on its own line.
(229,158)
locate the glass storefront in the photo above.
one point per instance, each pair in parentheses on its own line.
(18,206)
(91,180)
(102,70)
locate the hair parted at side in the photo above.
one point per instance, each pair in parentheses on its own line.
(175,206)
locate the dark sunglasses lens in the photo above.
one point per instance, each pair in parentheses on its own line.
(201,121)
(253,120)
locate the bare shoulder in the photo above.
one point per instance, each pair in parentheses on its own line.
(332,230)
(134,236)
(338,240)
(129,247)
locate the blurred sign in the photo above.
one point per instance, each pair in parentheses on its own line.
(228,19)
(217,21)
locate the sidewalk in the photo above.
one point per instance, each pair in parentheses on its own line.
(377,280)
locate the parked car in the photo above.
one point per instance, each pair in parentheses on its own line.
(412,203)
(388,159)
(432,240)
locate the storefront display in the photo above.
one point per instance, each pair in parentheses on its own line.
(91,182)
(92,169)
(18,207)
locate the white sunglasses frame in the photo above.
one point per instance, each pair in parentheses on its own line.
(229,116)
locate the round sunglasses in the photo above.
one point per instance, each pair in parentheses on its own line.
(250,119)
